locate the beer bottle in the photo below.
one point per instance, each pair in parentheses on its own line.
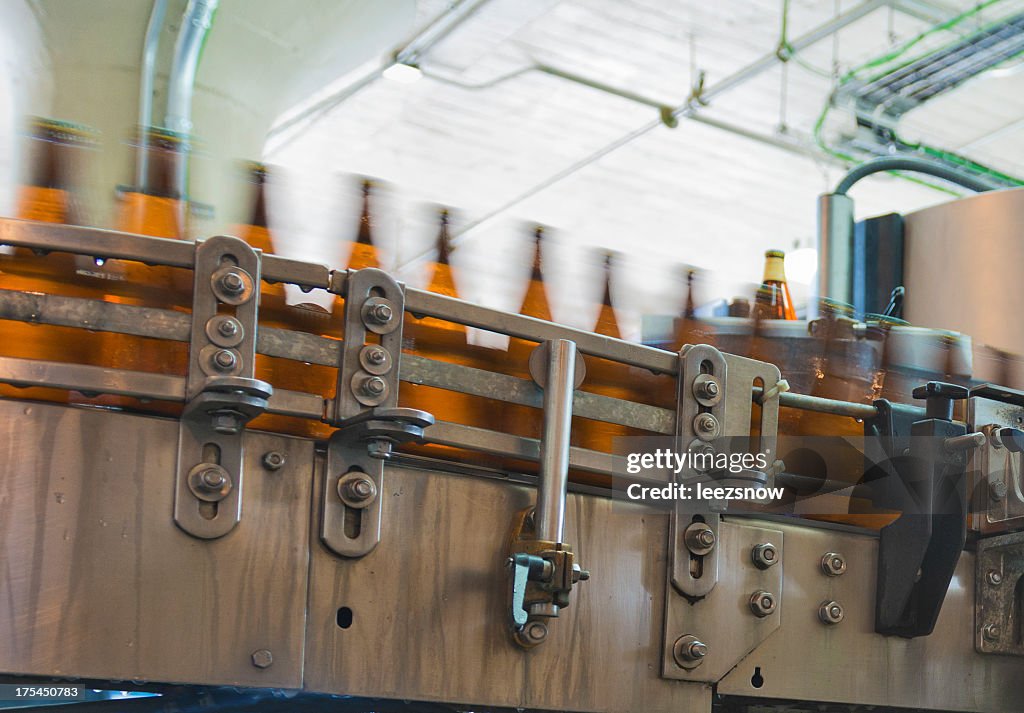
(773,299)
(606,377)
(443,341)
(516,419)
(48,194)
(275,312)
(364,253)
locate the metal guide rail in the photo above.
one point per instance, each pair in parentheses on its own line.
(170,523)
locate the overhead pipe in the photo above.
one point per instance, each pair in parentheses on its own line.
(150,47)
(195,25)
(836,221)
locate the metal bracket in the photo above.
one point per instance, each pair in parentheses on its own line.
(998,603)
(701,419)
(998,497)
(221,395)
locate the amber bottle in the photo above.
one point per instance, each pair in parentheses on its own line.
(282,374)
(773,300)
(47,194)
(443,341)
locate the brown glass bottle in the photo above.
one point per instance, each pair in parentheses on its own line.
(47,194)
(282,374)
(606,378)
(156,209)
(773,300)
(443,341)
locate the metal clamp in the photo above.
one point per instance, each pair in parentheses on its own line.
(221,395)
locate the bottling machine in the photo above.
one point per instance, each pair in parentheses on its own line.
(185,552)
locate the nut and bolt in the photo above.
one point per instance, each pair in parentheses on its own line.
(762,603)
(212,479)
(535,632)
(764,555)
(991,632)
(226,422)
(700,538)
(994,577)
(227,328)
(379,448)
(273,460)
(225,360)
(830,612)
(708,389)
(705,423)
(379,314)
(579,574)
(689,651)
(360,489)
(374,386)
(833,564)
(232,283)
(262,658)
(376,355)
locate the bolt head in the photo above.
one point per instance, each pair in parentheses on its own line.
(991,632)
(232,283)
(762,603)
(381,314)
(710,389)
(376,356)
(994,577)
(262,658)
(375,386)
(706,423)
(225,359)
(833,564)
(536,632)
(359,490)
(226,423)
(213,479)
(379,448)
(699,538)
(273,460)
(830,612)
(697,650)
(227,328)
(764,555)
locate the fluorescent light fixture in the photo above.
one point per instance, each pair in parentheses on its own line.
(403,73)
(802,266)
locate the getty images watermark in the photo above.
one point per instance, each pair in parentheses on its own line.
(668,474)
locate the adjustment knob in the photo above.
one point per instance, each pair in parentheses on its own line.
(940,397)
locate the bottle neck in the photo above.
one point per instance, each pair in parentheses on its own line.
(774,270)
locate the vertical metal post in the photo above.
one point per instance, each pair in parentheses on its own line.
(835,248)
(554,445)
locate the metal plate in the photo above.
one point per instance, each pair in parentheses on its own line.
(98,582)
(849,663)
(998,589)
(428,607)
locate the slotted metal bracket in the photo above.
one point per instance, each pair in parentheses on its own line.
(220,391)
(999,609)
(366,412)
(701,419)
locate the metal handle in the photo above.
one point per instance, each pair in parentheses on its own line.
(554,446)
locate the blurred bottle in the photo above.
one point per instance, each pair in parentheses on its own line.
(524,420)
(607,378)
(437,339)
(686,328)
(773,300)
(364,253)
(275,312)
(48,194)
(739,307)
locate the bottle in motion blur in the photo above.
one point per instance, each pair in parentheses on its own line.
(364,253)
(443,341)
(48,194)
(275,312)
(773,300)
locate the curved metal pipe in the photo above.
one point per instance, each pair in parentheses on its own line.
(149,52)
(181,85)
(911,163)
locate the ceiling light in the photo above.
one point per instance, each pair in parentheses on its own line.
(403,73)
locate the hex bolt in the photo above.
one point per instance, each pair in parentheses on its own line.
(830,612)
(232,283)
(376,356)
(535,632)
(994,577)
(579,574)
(689,651)
(227,328)
(273,460)
(227,422)
(762,603)
(706,423)
(764,555)
(262,658)
(374,386)
(379,448)
(225,360)
(359,490)
(833,564)
(991,632)
(699,538)
(213,479)
(379,314)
